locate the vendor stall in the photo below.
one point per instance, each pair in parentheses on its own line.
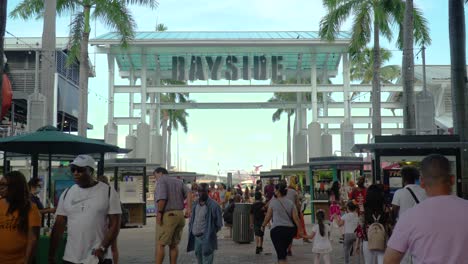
(131,182)
(49,144)
(324,171)
(410,150)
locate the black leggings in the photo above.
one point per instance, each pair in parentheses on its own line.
(282,237)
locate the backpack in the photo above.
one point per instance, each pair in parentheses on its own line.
(376,235)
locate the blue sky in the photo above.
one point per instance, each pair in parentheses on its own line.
(236,139)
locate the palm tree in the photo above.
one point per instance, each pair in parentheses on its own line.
(161,27)
(172,119)
(3,20)
(362,70)
(285,97)
(371,18)
(113,14)
(362,67)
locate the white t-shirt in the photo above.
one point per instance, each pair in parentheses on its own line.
(86,210)
(351,222)
(405,200)
(321,243)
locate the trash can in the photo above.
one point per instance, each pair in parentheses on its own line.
(241,232)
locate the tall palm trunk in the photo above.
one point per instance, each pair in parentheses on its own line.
(3,20)
(288,144)
(376,117)
(458,81)
(169,149)
(409,111)
(84,72)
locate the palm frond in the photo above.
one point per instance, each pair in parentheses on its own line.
(161,27)
(76,34)
(65,7)
(331,23)
(277,115)
(28,9)
(421,29)
(116,16)
(148,3)
(361,28)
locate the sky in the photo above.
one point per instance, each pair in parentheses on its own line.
(223,140)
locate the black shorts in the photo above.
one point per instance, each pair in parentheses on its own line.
(258,231)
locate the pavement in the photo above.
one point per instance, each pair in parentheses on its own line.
(136,246)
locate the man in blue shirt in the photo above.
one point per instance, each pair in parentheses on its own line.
(206,220)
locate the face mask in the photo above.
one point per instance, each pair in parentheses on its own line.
(203,197)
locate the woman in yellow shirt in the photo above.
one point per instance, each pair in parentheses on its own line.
(19,220)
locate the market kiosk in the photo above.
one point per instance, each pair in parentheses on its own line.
(410,150)
(324,171)
(130,179)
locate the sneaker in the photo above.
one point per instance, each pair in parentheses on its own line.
(257,250)
(261,249)
(306,240)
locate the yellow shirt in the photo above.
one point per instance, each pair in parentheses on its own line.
(13,243)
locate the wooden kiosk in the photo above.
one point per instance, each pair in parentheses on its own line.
(130,179)
(324,171)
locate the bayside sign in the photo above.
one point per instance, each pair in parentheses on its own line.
(227,67)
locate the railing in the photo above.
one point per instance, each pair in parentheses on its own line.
(8,131)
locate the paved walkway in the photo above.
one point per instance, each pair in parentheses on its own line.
(136,246)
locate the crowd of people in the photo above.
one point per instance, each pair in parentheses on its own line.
(423,224)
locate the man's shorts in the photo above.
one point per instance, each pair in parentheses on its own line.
(258,230)
(170,232)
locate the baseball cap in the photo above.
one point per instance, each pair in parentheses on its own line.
(84,161)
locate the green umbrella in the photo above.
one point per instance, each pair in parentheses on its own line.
(48,140)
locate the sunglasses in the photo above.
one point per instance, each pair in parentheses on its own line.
(77,169)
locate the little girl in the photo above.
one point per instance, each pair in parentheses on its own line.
(350,221)
(322,246)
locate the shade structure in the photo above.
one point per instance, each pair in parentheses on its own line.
(48,140)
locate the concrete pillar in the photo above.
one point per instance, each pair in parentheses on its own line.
(299,146)
(347,137)
(132,81)
(346,86)
(142,143)
(327,145)
(313,82)
(315,140)
(143,89)
(110,136)
(130,143)
(110,103)
(156,141)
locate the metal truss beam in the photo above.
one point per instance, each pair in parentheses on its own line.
(321,119)
(303,88)
(367,131)
(259,105)
(359,119)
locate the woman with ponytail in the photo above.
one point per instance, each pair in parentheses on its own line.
(322,245)
(19,220)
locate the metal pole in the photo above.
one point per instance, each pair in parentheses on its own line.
(424,68)
(34,164)
(100,171)
(49,185)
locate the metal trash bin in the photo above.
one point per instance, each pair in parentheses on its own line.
(241,232)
